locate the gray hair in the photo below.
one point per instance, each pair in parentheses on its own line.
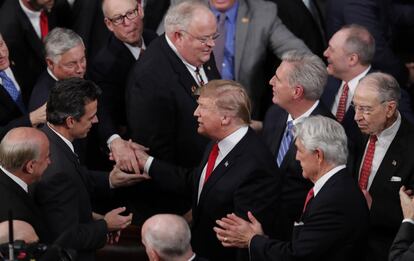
(387,86)
(59,41)
(361,42)
(169,235)
(308,71)
(15,153)
(179,16)
(318,132)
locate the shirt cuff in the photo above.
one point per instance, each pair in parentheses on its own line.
(113,136)
(409,220)
(147,165)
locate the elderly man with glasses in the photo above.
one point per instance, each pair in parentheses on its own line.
(384,159)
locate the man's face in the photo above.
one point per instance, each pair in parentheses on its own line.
(308,161)
(43,161)
(208,117)
(128,30)
(282,91)
(196,43)
(336,55)
(71,64)
(222,5)
(371,114)
(81,128)
(4,55)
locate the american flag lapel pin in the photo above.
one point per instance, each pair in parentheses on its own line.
(226,164)
(394,163)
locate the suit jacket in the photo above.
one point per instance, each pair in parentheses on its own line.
(385,212)
(64,193)
(25,47)
(403,247)
(245,180)
(14,198)
(333,227)
(160,105)
(109,71)
(258,30)
(41,91)
(154,13)
(295,187)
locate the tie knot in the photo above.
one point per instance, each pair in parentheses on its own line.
(3,74)
(373,138)
(346,87)
(215,148)
(289,125)
(310,193)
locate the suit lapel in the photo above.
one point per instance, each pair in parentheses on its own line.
(242,26)
(7,100)
(32,38)
(331,89)
(279,131)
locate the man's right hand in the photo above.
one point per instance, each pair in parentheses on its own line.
(115,221)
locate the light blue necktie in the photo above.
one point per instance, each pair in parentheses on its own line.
(12,90)
(285,144)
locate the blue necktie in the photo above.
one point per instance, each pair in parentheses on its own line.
(12,90)
(285,144)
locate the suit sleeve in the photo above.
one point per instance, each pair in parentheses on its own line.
(403,247)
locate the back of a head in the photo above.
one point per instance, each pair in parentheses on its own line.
(68,98)
(308,71)
(361,42)
(168,235)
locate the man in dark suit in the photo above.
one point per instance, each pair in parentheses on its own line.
(167,237)
(24,37)
(252,27)
(24,155)
(12,109)
(64,194)
(349,55)
(402,248)
(236,173)
(383,158)
(297,86)
(160,97)
(334,219)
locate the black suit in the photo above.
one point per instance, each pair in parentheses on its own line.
(160,105)
(13,197)
(385,212)
(403,247)
(333,227)
(245,180)
(63,195)
(109,71)
(26,48)
(41,90)
(295,187)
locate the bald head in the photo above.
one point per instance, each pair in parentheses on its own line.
(21,231)
(167,235)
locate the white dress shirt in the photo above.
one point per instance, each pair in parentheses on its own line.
(16,179)
(34,18)
(10,74)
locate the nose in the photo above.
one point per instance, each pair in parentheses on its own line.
(358,115)
(326,53)
(95,119)
(272,80)
(196,112)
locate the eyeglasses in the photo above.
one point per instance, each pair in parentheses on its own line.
(365,110)
(120,19)
(203,39)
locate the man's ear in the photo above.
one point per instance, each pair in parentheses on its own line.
(70,122)
(29,166)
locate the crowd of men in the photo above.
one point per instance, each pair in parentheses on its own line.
(261,135)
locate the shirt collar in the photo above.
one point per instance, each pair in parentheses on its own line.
(304,115)
(16,179)
(135,50)
(51,74)
(231,13)
(322,180)
(228,143)
(352,84)
(172,46)
(63,138)
(390,132)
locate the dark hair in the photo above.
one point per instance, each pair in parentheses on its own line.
(69,97)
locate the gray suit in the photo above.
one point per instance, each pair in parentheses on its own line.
(259,29)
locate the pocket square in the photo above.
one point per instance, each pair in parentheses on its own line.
(300,223)
(395,179)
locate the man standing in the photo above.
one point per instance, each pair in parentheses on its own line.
(334,219)
(167,237)
(64,194)
(24,155)
(12,109)
(248,29)
(297,85)
(383,158)
(236,174)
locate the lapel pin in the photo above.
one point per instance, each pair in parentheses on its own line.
(394,163)
(208,68)
(245,20)
(226,164)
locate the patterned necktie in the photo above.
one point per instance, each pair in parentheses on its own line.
(44,24)
(211,161)
(367,164)
(199,77)
(220,43)
(285,143)
(340,113)
(308,198)
(12,90)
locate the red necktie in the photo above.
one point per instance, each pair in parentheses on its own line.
(44,24)
(211,161)
(340,113)
(367,164)
(308,197)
